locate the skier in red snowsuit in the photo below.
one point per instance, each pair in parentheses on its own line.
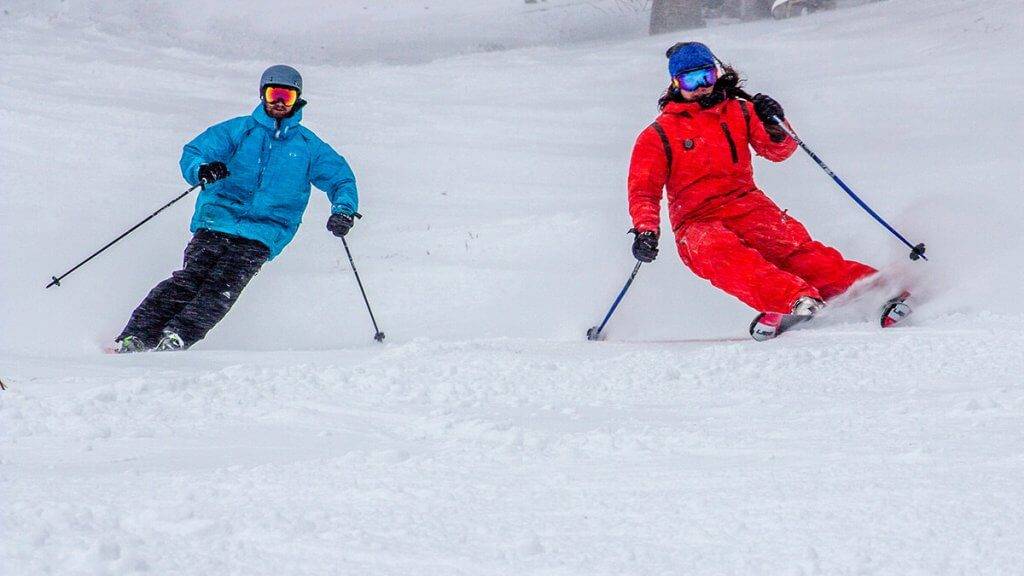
(726,229)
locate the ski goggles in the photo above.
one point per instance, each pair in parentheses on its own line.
(699,78)
(287,95)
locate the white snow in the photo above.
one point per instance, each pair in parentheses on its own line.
(486,437)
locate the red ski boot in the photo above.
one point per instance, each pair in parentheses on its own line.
(896,310)
(768,325)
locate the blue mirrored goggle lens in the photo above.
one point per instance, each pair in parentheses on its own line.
(700,78)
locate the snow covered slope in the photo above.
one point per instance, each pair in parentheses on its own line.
(341,31)
(486,437)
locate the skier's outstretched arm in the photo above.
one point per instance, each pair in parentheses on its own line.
(768,140)
(648,173)
(330,172)
(215,144)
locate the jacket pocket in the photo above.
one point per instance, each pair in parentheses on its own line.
(213,213)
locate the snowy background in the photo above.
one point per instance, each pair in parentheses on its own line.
(491,142)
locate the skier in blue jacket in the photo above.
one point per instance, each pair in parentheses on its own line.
(256,173)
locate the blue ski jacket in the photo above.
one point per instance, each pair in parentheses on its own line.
(271,165)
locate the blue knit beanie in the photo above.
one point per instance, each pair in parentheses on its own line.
(689,56)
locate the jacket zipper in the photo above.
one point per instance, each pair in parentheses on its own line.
(732,144)
(266,159)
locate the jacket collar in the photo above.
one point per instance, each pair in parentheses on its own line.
(690,108)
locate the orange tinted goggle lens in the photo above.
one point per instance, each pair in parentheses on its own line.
(275,93)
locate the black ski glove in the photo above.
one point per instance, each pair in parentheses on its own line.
(767,108)
(340,224)
(645,246)
(213,171)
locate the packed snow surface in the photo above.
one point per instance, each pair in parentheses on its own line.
(485,436)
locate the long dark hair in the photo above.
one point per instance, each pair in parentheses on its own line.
(728,85)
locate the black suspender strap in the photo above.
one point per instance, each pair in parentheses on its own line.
(746,113)
(668,147)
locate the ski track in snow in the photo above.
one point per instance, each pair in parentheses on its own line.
(486,437)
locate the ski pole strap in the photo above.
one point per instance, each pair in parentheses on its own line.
(916,251)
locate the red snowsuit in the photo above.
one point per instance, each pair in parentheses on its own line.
(726,229)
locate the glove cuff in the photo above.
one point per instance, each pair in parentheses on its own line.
(775,133)
(635,232)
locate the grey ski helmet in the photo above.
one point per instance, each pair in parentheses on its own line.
(281,75)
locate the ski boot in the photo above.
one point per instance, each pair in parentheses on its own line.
(768,325)
(895,310)
(128,345)
(170,342)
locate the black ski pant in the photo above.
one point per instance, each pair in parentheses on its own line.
(189,303)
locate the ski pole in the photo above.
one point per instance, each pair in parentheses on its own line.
(916,251)
(594,333)
(379,336)
(56,279)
